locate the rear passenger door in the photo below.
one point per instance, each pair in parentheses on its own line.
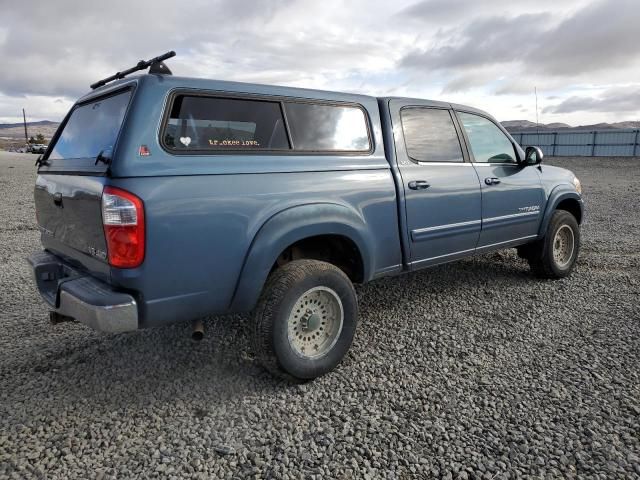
(441,188)
(512,194)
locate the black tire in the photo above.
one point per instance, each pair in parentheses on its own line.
(541,254)
(270,328)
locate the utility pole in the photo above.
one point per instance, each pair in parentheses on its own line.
(24,119)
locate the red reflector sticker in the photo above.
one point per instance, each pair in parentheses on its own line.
(144,151)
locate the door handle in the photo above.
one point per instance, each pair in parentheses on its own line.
(418,184)
(492,180)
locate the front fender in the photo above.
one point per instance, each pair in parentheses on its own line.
(289,226)
(557,195)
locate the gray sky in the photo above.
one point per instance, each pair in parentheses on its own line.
(583,55)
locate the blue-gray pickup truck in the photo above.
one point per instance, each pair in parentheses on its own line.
(163,199)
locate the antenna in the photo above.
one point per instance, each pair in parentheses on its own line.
(535,91)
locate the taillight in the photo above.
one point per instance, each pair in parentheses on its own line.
(123,220)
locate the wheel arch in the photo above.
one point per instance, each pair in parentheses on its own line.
(291,226)
(572,206)
(563,197)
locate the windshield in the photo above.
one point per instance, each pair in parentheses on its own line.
(92,128)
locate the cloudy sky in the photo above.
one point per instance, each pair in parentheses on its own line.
(582,55)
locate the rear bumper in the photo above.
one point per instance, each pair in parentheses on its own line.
(84,298)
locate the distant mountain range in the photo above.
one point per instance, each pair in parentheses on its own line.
(29,124)
(524,125)
(15,131)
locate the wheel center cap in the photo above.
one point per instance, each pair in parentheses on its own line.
(310,322)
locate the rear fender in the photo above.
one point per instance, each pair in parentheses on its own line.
(289,226)
(558,194)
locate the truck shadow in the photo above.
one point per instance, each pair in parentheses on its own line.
(164,366)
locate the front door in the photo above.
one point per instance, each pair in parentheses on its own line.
(442,190)
(512,194)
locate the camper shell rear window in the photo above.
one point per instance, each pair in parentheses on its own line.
(198,123)
(90,129)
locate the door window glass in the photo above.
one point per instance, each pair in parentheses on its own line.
(430,135)
(488,143)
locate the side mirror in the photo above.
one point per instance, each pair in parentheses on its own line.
(533,156)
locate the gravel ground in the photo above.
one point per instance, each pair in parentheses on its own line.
(469,370)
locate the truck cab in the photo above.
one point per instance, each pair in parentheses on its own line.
(461,166)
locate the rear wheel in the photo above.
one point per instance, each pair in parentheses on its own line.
(305,320)
(555,255)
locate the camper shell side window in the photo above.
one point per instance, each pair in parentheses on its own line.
(209,124)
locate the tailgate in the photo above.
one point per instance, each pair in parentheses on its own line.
(69,213)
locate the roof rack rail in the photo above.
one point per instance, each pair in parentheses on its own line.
(156,64)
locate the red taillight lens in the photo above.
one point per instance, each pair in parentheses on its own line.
(123,220)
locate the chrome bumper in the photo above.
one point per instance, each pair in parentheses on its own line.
(81,297)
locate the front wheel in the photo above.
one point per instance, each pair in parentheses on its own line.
(305,320)
(555,255)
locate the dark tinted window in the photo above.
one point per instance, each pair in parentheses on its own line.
(92,128)
(488,143)
(207,123)
(327,127)
(430,135)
